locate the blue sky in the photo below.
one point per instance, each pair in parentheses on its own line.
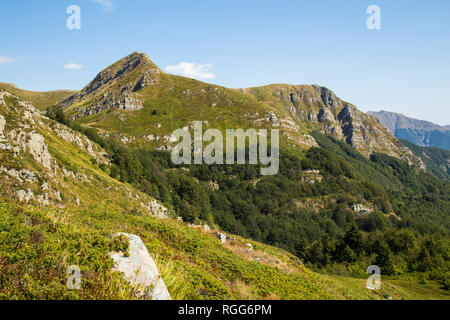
(404,67)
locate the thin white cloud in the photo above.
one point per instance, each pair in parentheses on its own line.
(192,70)
(73,66)
(107,5)
(7,59)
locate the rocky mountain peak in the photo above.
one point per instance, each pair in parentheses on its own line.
(135,62)
(117,85)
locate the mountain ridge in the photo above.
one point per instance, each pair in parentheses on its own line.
(133,85)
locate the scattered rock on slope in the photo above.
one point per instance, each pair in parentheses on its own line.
(222,237)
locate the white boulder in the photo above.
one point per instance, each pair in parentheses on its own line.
(140,269)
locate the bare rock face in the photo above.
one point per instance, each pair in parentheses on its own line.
(325,115)
(304,140)
(329,99)
(331,126)
(150,77)
(25,196)
(353,127)
(21,137)
(140,269)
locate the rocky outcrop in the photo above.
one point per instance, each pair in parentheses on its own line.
(45,162)
(355,131)
(213,185)
(25,196)
(23,140)
(366,134)
(304,140)
(128,102)
(329,99)
(140,269)
(38,148)
(287,126)
(360,208)
(156,209)
(150,77)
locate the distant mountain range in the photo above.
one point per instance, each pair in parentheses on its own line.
(419,132)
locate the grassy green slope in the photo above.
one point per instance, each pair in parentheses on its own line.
(41,100)
(175,102)
(37,246)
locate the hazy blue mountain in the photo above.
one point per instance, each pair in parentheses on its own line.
(419,132)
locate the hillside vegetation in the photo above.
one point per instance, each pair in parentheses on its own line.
(38,245)
(348,195)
